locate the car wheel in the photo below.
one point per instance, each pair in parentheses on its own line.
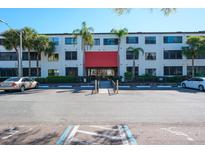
(22,89)
(201,88)
(36,86)
(183,85)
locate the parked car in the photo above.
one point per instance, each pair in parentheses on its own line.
(195,83)
(16,83)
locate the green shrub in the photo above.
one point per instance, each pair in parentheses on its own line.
(128,76)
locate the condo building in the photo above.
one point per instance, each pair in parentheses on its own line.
(162,56)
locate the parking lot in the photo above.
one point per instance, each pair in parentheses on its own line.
(154,116)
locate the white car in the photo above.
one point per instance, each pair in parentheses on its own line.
(195,83)
(16,83)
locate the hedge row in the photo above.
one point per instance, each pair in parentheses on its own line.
(156,79)
(59,79)
(138,79)
(71,79)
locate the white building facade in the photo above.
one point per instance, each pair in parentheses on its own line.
(162,56)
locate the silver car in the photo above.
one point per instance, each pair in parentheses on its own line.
(16,83)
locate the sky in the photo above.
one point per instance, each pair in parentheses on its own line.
(103,20)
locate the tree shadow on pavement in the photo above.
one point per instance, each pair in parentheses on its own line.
(16,136)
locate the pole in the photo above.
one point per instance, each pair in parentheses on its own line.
(117,86)
(20,72)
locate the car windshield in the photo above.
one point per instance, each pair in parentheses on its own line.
(13,79)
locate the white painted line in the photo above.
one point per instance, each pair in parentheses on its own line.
(72,134)
(43,86)
(164,86)
(13,132)
(143,86)
(179,86)
(123,135)
(65,86)
(86,86)
(124,86)
(101,127)
(100,135)
(178,133)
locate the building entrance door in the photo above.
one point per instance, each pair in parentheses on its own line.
(102,72)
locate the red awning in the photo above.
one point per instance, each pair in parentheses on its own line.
(101,59)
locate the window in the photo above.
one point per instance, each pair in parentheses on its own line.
(33,71)
(129,69)
(199,70)
(110,41)
(150,71)
(33,56)
(172,39)
(150,40)
(8,56)
(71,55)
(197,57)
(1,41)
(55,40)
(71,71)
(150,56)
(53,72)
(70,40)
(53,57)
(172,54)
(131,40)
(96,41)
(129,55)
(8,72)
(173,70)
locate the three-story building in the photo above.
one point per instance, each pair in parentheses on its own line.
(162,56)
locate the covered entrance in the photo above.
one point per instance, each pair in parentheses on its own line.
(101,64)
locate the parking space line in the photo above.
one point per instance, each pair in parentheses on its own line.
(71,134)
(124,86)
(164,86)
(101,127)
(143,86)
(43,86)
(65,86)
(100,135)
(62,138)
(87,86)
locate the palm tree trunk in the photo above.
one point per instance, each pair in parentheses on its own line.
(37,65)
(29,62)
(133,68)
(83,47)
(193,71)
(118,56)
(18,65)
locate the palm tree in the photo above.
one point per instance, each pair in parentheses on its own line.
(42,44)
(135,53)
(195,48)
(166,11)
(119,33)
(87,39)
(11,41)
(29,36)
